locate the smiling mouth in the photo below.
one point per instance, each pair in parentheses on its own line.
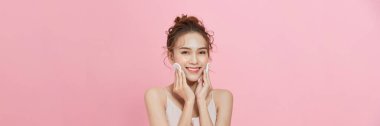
(193,69)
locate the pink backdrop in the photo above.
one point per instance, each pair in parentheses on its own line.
(288,63)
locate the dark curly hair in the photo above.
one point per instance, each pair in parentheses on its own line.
(185,24)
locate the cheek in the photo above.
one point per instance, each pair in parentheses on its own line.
(180,58)
(203,59)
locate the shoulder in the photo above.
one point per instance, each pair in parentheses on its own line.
(224,105)
(222,96)
(155,95)
(222,93)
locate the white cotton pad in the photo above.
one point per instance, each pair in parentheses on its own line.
(177,66)
(207,66)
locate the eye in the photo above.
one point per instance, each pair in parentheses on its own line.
(202,52)
(184,52)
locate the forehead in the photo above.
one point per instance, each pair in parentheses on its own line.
(191,40)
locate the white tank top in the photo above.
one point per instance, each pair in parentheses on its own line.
(173,113)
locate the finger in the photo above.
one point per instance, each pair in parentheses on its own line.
(199,86)
(183,78)
(180,85)
(200,81)
(208,79)
(205,81)
(176,79)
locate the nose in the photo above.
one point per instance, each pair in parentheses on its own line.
(193,59)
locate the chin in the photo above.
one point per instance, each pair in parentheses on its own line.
(193,79)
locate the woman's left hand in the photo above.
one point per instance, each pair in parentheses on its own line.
(203,87)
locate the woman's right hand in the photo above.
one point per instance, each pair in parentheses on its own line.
(181,88)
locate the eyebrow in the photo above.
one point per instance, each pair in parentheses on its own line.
(190,48)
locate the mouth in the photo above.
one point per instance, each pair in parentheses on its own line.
(193,69)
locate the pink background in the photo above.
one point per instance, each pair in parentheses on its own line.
(288,63)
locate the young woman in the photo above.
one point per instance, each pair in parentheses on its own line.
(190,99)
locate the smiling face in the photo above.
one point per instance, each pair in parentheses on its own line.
(191,52)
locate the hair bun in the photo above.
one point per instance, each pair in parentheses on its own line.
(179,18)
(184,19)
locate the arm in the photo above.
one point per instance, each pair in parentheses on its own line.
(224,101)
(204,117)
(186,115)
(203,88)
(155,107)
(182,89)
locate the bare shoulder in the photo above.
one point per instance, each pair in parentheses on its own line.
(223,96)
(155,105)
(222,93)
(155,95)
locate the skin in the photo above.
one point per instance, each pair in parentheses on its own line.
(190,90)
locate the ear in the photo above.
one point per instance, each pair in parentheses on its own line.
(171,57)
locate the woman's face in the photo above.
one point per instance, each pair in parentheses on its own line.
(190,51)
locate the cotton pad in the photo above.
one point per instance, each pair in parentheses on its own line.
(177,66)
(207,66)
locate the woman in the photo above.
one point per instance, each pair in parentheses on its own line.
(190,99)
